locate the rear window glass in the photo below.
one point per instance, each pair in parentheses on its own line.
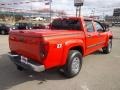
(66,24)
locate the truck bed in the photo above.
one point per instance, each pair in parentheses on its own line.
(25,45)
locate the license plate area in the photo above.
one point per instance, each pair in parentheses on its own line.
(24,60)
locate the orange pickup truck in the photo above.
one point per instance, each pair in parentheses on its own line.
(63,45)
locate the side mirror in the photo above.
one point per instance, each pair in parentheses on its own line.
(106,28)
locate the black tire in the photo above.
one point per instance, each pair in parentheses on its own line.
(3,32)
(19,68)
(73,65)
(108,48)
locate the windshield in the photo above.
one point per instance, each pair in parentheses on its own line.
(65,24)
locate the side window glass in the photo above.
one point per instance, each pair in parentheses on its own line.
(98,27)
(89,26)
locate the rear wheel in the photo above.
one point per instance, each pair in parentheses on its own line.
(73,65)
(108,48)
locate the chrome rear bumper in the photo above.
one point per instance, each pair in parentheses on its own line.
(30,65)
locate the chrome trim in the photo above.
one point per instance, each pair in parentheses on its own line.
(95,45)
(12,55)
(76,65)
(36,68)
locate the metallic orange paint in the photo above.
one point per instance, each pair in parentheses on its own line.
(57,43)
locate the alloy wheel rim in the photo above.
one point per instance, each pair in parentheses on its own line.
(76,65)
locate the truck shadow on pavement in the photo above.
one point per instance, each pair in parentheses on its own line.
(10,76)
(99,52)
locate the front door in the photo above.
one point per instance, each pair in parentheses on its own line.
(91,37)
(102,35)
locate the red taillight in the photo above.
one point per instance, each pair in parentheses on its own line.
(44,48)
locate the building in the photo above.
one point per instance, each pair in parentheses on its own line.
(115,19)
(116,12)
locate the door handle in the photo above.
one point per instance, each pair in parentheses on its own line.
(21,31)
(89,36)
(99,34)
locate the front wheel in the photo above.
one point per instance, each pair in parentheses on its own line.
(108,48)
(74,64)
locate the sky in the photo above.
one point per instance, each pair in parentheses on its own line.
(99,7)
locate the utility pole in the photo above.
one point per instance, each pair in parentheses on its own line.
(50,10)
(93,12)
(49,2)
(31,12)
(13,12)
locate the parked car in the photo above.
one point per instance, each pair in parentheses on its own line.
(38,26)
(63,46)
(4,29)
(22,26)
(38,19)
(26,26)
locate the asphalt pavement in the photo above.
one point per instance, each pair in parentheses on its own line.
(99,72)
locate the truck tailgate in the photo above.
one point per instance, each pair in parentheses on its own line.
(26,46)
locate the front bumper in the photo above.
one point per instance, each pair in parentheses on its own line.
(30,65)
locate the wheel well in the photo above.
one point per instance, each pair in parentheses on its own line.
(80,49)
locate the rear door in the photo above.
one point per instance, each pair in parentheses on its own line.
(91,37)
